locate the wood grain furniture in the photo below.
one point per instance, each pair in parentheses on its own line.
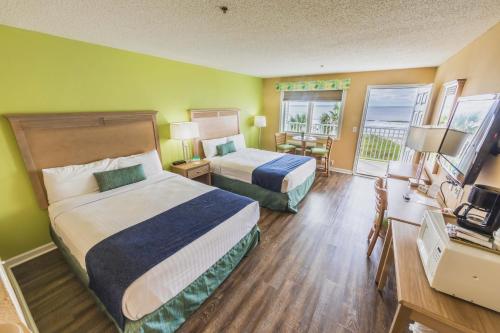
(281,145)
(400,211)
(417,301)
(196,170)
(380,207)
(60,139)
(405,171)
(303,141)
(214,123)
(323,156)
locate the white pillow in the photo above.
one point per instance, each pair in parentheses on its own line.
(239,141)
(150,162)
(210,146)
(73,180)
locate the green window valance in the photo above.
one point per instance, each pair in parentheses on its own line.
(314,85)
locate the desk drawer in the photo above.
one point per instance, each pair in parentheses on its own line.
(198,171)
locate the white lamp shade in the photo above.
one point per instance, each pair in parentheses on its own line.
(453,142)
(184,130)
(425,139)
(259,121)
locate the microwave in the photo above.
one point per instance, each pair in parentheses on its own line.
(457,269)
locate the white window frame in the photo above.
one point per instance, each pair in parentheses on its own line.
(309,116)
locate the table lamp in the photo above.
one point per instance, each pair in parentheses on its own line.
(428,139)
(259,122)
(184,131)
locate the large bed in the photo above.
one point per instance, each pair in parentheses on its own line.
(151,251)
(277,181)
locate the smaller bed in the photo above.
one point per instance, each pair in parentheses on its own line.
(277,181)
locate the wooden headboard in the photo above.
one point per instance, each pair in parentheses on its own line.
(214,123)
(60,139)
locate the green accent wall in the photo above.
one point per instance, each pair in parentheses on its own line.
(43,73)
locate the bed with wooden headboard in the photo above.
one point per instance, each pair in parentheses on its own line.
(61,139)
(214,123)
(176,206)
(235,172)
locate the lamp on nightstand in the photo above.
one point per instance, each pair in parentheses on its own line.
(259,122)
(184,131)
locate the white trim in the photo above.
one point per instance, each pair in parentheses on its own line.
(31,254)
(346,171)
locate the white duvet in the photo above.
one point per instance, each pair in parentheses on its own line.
(240,165)
(83,221)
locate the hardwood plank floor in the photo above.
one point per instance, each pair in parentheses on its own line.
(310,273)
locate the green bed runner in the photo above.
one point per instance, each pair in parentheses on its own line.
(171,315)
(273,200)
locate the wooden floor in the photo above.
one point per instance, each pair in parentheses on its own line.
(310,273)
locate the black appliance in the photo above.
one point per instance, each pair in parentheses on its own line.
(486,200)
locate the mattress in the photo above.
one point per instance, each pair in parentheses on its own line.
(84,221)
(240,165)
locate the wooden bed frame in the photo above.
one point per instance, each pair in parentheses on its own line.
(60,139)
(214,123)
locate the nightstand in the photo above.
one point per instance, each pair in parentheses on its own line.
(194,170)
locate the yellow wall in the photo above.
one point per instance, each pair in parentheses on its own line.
(345,148)
(479,63)
(42,73)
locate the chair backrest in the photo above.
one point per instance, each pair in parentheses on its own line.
(329,147)
(381,197)
(280,138)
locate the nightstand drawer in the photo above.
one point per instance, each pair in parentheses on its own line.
(198,171)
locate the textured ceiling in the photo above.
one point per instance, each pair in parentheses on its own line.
(268,37)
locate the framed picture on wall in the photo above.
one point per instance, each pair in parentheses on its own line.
(451,91)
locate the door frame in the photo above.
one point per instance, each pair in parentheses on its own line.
(363,117)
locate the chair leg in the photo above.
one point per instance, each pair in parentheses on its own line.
(370,234)
(373,240)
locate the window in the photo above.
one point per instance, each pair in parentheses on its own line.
(312,112)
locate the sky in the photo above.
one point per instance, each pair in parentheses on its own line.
(390,104)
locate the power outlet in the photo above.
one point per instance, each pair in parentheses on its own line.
(457,190)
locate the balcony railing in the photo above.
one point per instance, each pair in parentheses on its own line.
(320,129)
(383,143)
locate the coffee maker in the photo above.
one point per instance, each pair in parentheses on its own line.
(486,200)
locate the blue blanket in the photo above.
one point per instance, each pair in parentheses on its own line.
(270,175)
(117,261)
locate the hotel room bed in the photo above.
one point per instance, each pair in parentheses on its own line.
(151,250)
(278,181)
(176,286)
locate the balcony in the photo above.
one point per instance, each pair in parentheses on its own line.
(379,145)
(316,128)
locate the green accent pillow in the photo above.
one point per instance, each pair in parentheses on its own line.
(226,148)
(108,180)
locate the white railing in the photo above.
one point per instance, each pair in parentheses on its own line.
(382,143)
(320,129)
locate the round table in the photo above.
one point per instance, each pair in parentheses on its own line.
(304,140)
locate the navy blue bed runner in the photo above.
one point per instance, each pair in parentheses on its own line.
(271,174)
(117,261)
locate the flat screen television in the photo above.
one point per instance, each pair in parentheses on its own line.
(479,117)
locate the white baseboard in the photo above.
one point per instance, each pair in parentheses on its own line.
(346,171)
(31,254)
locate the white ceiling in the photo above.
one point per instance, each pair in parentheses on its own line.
(268,38)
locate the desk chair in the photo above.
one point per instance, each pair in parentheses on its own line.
(380,207)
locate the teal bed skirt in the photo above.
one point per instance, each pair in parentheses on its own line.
(171,315)
(273,200)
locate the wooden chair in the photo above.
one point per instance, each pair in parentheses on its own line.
(281,145)
(323,156)
(380,207)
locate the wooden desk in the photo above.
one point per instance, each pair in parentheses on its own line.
(405,171)
(399,210)
(419,302)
